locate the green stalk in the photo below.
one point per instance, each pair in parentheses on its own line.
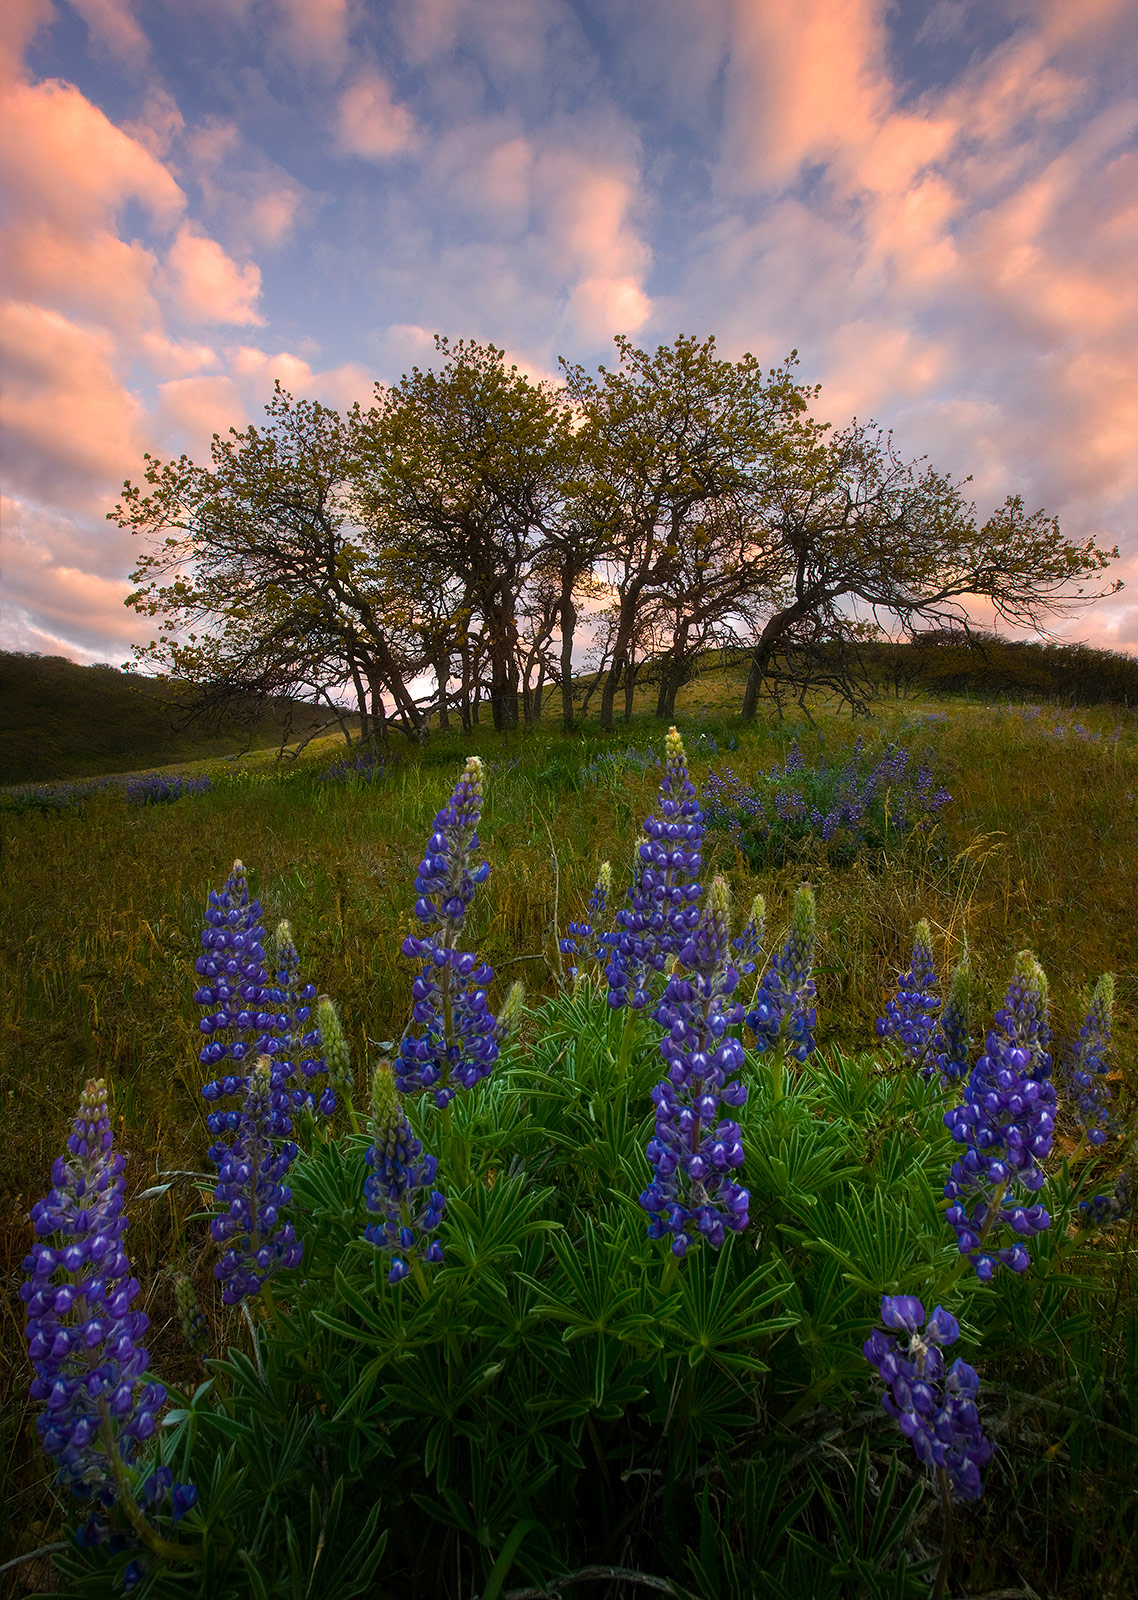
(153,1541)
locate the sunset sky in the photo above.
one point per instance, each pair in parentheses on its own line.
(934,201)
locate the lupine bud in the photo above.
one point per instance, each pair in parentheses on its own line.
(910,1015)
(1006,1121)
(191,1317)
(749,942)
(399,1187)
(513,1007)
(1083,1065)
(83,1338)
(334,1043)
(458,1044)
(693,1152)
(942,1424)
(661,911)
(782,1010)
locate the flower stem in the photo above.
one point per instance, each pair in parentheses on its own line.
(153,1541)
(940,1582)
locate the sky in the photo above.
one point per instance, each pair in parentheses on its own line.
(935,202)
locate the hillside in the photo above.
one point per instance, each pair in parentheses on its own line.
(60,720)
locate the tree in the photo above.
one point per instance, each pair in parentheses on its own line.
(468,464)
(854,524)
(665,441)
(261,553)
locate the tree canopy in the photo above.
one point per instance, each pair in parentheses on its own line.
(441,549)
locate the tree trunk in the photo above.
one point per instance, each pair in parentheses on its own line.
(568,614)
(442,676)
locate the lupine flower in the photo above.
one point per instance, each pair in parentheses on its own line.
(661,911)
(334,1043)
(589,934)
(232,963)
(950,1052)
(191,1317)
(693,1151)
(83,1338)
(399,1187)
(935,1410)
(749,942)
(458,1044)
(782,1010)
(1006,1122)
(1116,1203)
(293,1045)
(1083,1065)
(249,1182)
(910,1015)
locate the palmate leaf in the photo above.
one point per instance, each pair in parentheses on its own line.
(875,1243)
(713,1321)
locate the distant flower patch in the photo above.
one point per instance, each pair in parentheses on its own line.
(363,766)
(844,805)
(155,790)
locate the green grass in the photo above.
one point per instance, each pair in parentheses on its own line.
(103,907)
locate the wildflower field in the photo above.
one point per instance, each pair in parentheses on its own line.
(708,1175)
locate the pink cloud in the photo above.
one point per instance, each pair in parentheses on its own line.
(63,158)
(368,122)
(20,22)
(72,428)
(191,410)
(207,286)
(315,32)
(255,200)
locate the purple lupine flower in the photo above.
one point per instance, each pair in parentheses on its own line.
(232,963)
(661,910)
(950,1052)
(693,1150)
(458,1044)
(1006,1122)
(588,938)
(293,1042)
(399,1187)
(935,1410)
(83,1338)
(1116,1203)
(749,942)
(1083,1066)
(782,1011)
(249,1183)
(911,1015)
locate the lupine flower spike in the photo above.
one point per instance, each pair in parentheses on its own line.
(399,1187)
(587,938)
(693,1151)
(513,1006)
(783,1011)
(934,1409)
(749,943)
(191,1317)
(1006,1123)
(910,1016)
(662,910)
(950,1052)
(295,1044)
(458,1042)
(232,965)
(1083,1065)
(249,1182)
(337,1051)
(83,1338)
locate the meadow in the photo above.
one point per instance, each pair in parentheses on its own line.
(103,916)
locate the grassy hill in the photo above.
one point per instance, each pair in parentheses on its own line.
(60,720)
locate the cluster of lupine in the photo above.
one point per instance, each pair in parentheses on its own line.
(249,1184)
(783,1011)
(910,1017)
(588,938)
(400,1186)
(1083,1066)
(1116,1203)
(83,1337)
(749,942)
(1006,1123)
(693,1150)
(365,766)
(845,799)
(155,790)
(950,1052)
(458,1044)
(935,1410)
(293,1046)
(661,911)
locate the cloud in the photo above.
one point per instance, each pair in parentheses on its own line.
(113,25)
(207,286)
(71,426)
(368,122)
(315,32)
(255,200)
